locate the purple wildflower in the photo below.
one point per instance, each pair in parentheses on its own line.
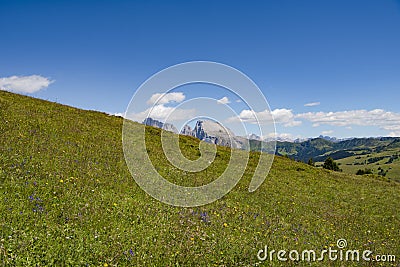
(204,217)
(131,252)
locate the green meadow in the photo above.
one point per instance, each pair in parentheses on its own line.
(68,199)
(378,162)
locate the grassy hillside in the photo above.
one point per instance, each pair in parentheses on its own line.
(381,155)
(304,150)
(68,199)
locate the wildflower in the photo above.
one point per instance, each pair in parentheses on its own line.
(37,208)
(225,224)
(131,252)
(61,181)
(204,217)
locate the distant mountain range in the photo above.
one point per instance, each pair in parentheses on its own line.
(155,123)
(300,149)
(205,130)
(319,149)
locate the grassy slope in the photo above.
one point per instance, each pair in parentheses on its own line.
(359,150)
(348,164)
(360,161)
(67,198)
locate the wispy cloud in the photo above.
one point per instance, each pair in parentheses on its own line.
(312,104)
(281,116)
(385,120)
(280,136)
(166,98)
(118,114)
(24,84)
(224,100)
(163,113)
(382,119)
(394,134)
(160,111)
(327,132)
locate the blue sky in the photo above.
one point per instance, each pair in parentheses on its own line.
(343,55)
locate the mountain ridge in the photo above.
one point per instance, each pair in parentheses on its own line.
(318,148)
(204,130)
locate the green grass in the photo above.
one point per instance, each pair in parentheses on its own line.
(353,154)
(360,161)
(68,199)
(393,168)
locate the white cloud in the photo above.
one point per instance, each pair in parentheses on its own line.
(327,132)
(24,84)
(394,130)
(285,116)
(281,137)
(394,134)
(118,114)
(159,110)
(166,98)
(392,127)
(162,113)
(224,100)
(312,104)
(385,120)
(281,116)
(250,116)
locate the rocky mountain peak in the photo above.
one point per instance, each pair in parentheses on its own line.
(165,126)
